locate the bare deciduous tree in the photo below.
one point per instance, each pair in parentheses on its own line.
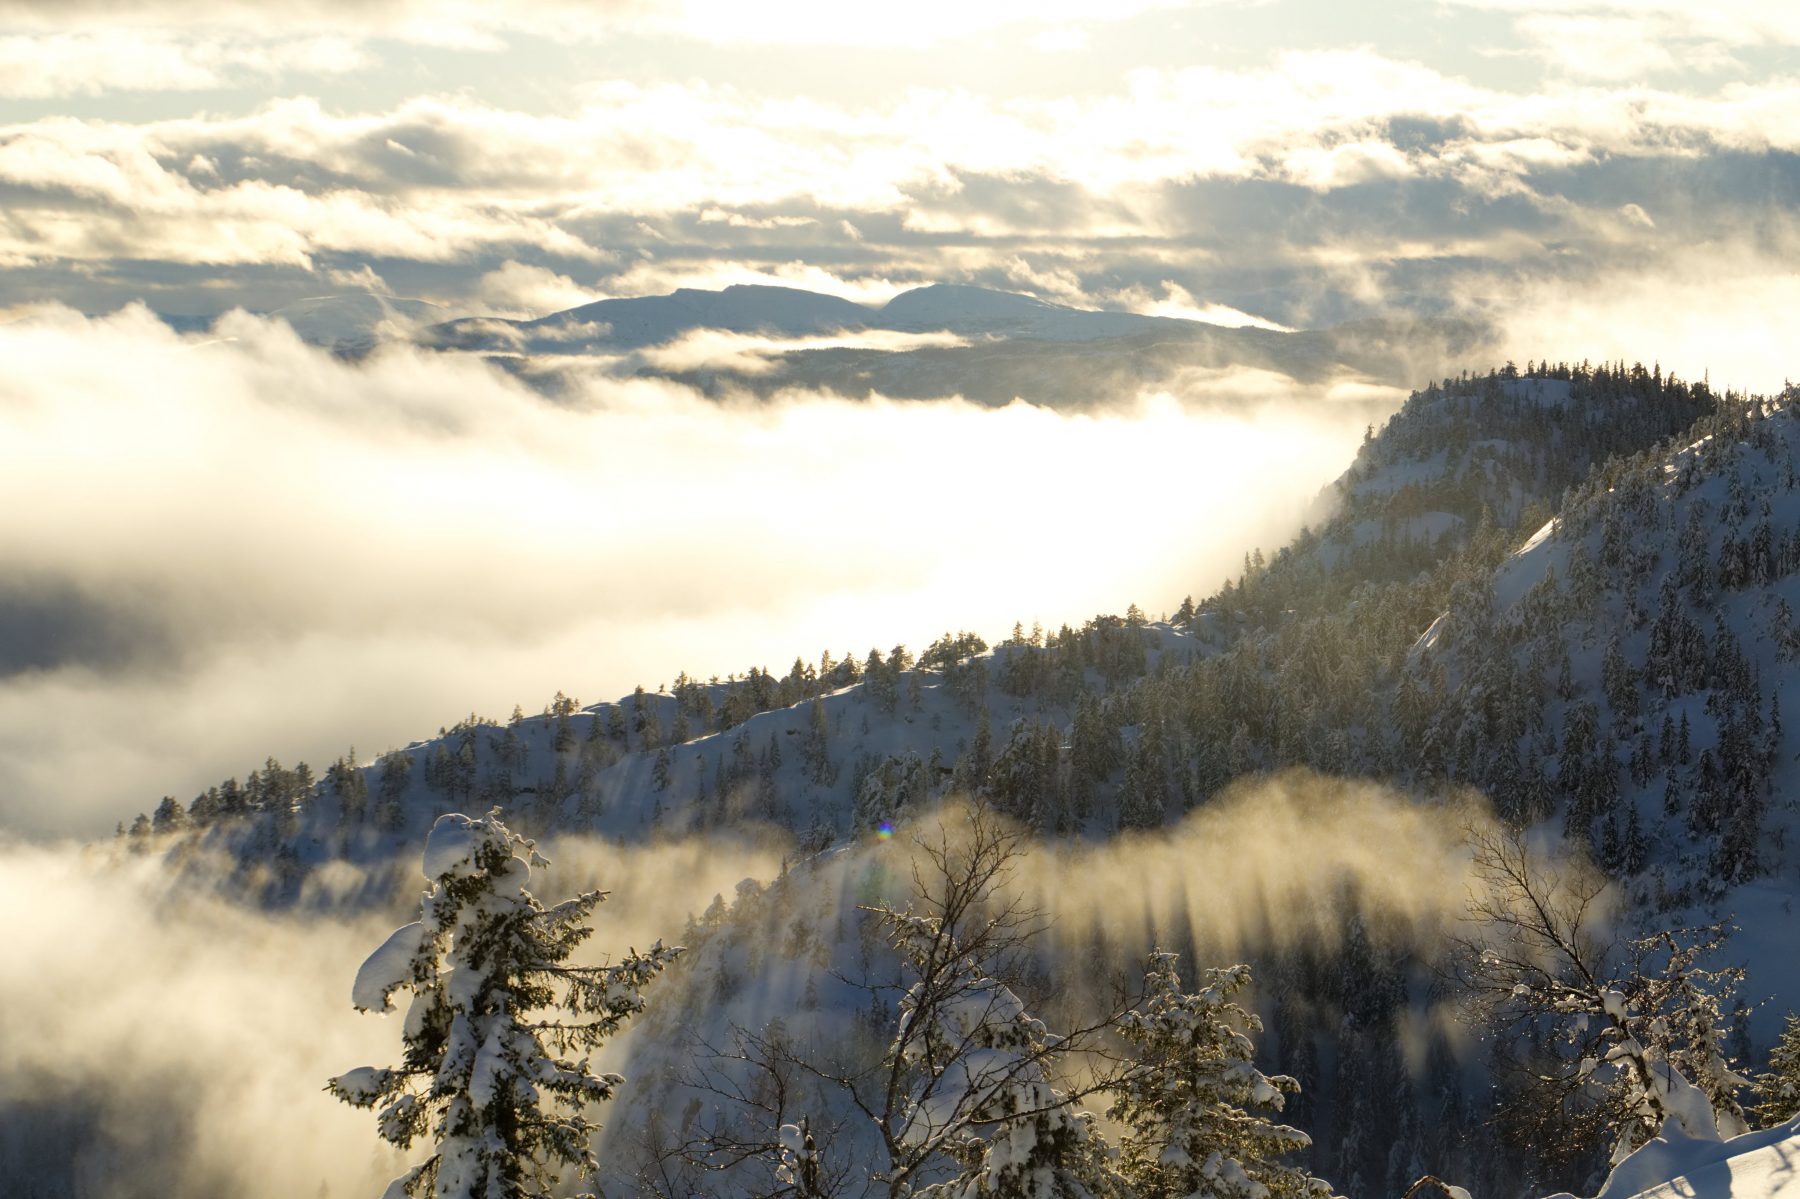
(1608,1036)
(962,1068)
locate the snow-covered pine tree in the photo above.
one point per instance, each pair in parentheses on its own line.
(496,1087)
(1188,1097)
(1777,1089)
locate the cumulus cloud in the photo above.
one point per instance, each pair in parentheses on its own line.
(240,545)
(1328,164)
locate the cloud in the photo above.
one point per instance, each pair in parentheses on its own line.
(1340,165)
(748,354)
(246,546)
(519,289)
(1625,39)
(1059,41)
(1703,313)
(362,278)
(40,66)
(1606,47)
(128,184)
(469,24)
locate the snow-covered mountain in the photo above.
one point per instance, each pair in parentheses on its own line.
(1627,667)
(976,311)
(652,320)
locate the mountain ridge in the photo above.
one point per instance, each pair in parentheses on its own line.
(639,321)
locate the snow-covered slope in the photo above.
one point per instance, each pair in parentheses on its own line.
(1640,651)
(1759,1165)
(1123,720)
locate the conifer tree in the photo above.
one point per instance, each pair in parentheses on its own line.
(1187,1099)
(1776,1091)
(994,1111)
(169,815)
(492,1079)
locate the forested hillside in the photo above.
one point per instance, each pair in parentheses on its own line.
(1567,588)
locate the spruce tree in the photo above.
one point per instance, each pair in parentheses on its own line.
(1776,1091)
(494,1073)
(1188,1098)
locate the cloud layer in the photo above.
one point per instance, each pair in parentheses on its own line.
(1318,185)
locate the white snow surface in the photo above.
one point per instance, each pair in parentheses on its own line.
(1758,1165)
(454,843)
(387,968)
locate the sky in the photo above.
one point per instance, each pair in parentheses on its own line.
(1300,160)
(225,546)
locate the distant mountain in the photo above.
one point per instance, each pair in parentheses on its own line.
(634,323)
(1016,345)
(978,311)
(652,320)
